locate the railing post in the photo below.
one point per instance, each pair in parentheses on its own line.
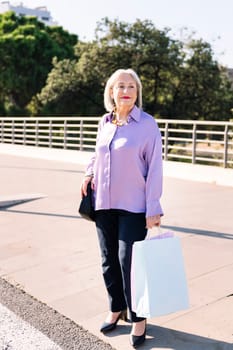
(13,132)
(37,133)
(194,138)
(225,156)
(2,131)
(24,132)
(81,135)
(65,134)
(166,142)
(50,133)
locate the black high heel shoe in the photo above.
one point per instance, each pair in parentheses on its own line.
(137,340)
(107,327)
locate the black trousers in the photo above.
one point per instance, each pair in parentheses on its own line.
(117,231)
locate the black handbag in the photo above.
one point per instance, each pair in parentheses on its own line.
(86,208)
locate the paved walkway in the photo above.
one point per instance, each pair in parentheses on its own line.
(50,252)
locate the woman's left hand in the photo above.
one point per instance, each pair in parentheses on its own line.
(152,221)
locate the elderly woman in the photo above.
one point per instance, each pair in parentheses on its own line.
(126,176)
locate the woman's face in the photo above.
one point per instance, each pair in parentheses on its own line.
(124,91)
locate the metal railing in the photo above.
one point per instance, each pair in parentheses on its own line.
(183,140)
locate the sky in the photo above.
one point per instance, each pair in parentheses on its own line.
(211,20)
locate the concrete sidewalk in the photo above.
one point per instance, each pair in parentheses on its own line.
(50,252)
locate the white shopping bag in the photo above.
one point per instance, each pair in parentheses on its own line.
(158,281)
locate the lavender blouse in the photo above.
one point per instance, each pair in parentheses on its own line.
(127,165)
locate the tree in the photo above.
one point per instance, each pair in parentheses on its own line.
(151,52)
(183,82)
(27,48)
(203,91)
(119,45)
(67,92)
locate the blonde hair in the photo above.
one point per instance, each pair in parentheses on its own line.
(108,100)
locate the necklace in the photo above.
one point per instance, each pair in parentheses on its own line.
(118,122)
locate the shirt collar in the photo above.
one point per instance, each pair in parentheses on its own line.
(135,113)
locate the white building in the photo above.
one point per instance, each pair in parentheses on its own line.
(41,12)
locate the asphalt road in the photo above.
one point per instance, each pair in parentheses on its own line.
(28,324)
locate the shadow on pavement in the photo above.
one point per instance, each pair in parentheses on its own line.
(199,232)
(162,337)
(166,338)
(174,228)
(42,214)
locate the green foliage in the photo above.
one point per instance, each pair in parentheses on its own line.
(67,92)
(47,71)
(27,48)
(118,45)
(178,81)
(146,49)
(203,91)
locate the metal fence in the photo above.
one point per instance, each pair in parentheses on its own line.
(183,140)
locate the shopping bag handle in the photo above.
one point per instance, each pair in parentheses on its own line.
(159,233)
(156,231)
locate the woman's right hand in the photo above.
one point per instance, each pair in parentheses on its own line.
(152,221)
(84,184)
